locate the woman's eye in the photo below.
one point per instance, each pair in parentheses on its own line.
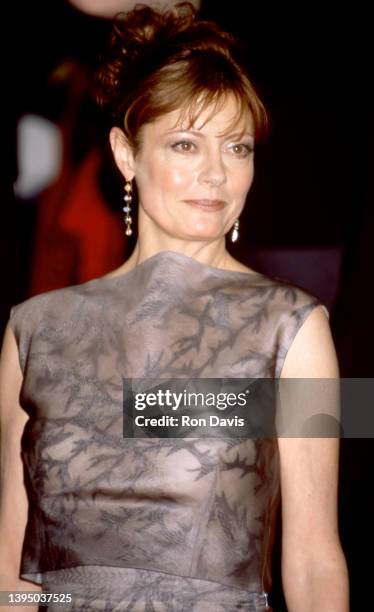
(242,150)
(184,146)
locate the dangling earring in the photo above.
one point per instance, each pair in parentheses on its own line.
(235,231)
(127,208)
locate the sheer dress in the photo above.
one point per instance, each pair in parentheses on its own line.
(149,524)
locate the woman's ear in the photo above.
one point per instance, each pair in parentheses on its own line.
(122,152)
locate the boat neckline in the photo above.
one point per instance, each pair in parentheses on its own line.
(181,257)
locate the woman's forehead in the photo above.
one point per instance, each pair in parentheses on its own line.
(220,119)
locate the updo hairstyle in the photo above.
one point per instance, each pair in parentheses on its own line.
(159,62)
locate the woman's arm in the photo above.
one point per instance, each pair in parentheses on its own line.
(314,571)
(13,498)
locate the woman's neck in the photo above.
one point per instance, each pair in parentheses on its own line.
(213,254)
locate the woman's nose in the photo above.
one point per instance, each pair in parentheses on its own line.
(213,170)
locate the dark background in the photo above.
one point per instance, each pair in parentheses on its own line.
(312,199)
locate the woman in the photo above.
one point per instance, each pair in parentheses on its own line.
(168,524)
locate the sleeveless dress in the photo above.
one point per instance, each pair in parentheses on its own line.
(160,524)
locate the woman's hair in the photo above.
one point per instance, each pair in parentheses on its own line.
(161,62)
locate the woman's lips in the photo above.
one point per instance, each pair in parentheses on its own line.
(208,205)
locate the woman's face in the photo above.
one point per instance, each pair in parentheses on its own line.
(193,181)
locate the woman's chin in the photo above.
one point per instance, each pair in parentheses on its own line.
(203,235)
(204,231)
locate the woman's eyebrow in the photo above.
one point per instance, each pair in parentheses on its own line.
(185,131)
(240,134)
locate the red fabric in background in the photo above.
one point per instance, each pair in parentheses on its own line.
(78,237)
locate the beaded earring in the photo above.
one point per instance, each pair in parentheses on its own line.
(127,208)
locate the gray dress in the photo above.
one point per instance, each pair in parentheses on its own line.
(149,524)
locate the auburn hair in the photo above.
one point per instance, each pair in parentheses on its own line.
(159,62)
